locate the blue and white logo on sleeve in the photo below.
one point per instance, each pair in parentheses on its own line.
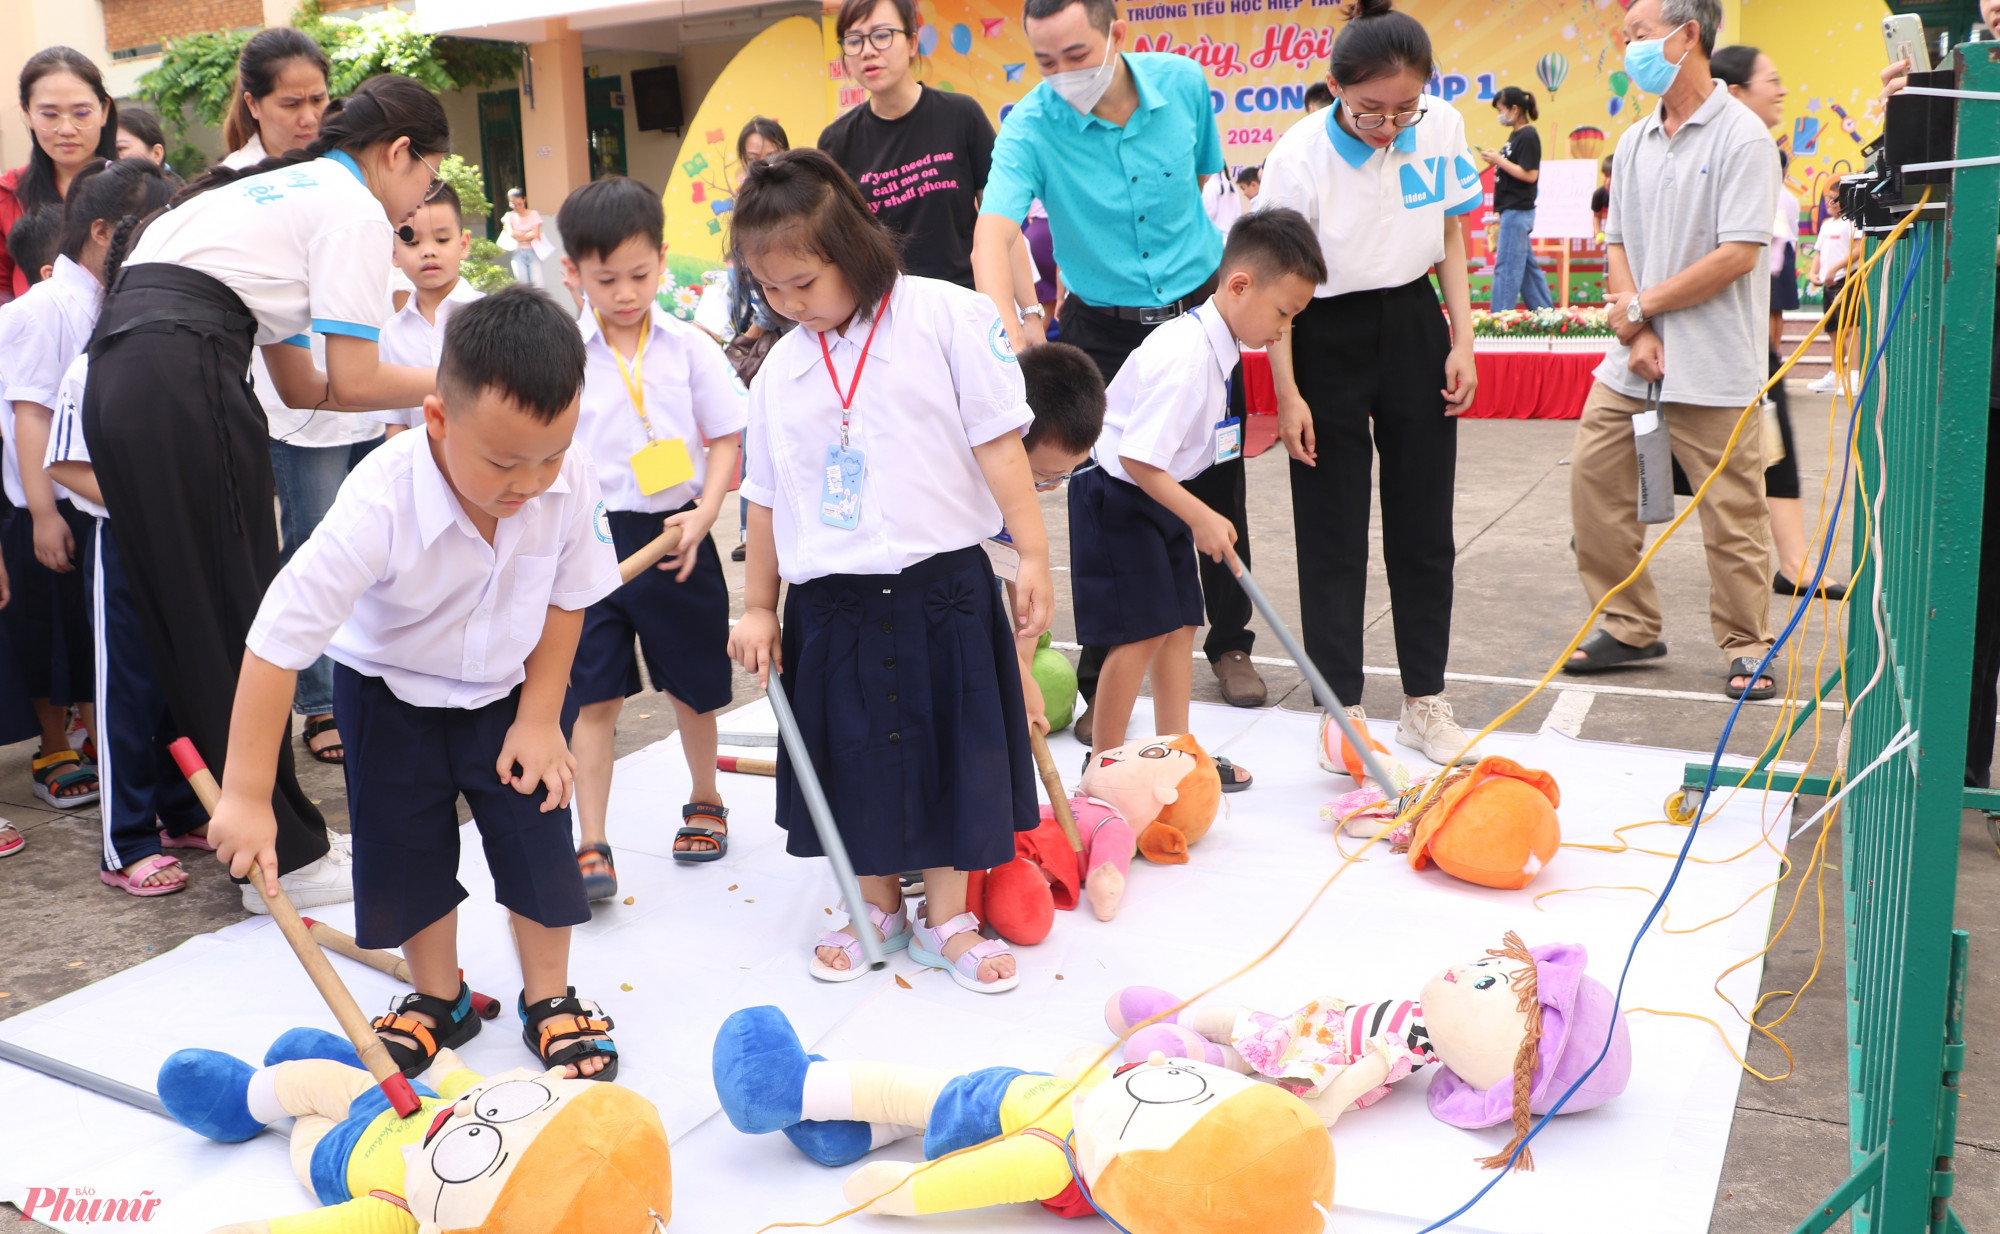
(1003,347)
(1468,175)
(600,522)
(1424,186)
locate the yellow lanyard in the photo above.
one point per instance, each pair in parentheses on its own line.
(635,373)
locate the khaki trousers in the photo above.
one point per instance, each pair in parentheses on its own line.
(1735,522)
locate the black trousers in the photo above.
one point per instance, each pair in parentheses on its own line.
(1376,359)
(1108,341)
(1986,623)
(184,458)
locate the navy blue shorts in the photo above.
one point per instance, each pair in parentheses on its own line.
(406,769)
(907,690)
(1132,569)
(48,617)
(683,628)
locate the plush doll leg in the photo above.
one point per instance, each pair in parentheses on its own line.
(883,1094)
(760,1074)
(316,1093)
(1135,1004)
(1107,863)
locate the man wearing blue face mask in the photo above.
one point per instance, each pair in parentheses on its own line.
(1117,146)
(1693,190)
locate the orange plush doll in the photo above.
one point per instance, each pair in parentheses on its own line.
(1494,825)
(1167,788)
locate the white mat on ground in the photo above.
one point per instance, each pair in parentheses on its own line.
(698,942)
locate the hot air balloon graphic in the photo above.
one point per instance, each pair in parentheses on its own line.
(1585,140)
(1552,69)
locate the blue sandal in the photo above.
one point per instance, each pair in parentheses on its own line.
(719,838)
(597,886)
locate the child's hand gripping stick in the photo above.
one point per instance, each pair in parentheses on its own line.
(822,817)
(487,1006)
(651,555)
(395,1086)
(1058,795)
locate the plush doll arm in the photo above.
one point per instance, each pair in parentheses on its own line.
(1025,1167)
(361,1215)
(1163,844)
(1355,1081)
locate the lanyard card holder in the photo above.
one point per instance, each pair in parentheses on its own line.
(1228,440)
(840,489)
(1656,460)
(1005,557)
(662,465)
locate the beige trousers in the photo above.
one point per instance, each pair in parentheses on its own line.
(1735,522)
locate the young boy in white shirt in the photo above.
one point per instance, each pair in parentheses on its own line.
(448,583)
(655,389)
(430,260)
(1134,528)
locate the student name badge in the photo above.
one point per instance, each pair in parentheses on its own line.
(1005,557)
(662,465)
(840,489)
(1228,440)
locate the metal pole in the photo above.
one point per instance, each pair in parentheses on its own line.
(1322,692)
(71,1074)
(822,816)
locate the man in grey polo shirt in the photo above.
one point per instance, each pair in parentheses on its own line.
(1693,191)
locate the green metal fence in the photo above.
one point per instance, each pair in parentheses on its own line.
(1900,825)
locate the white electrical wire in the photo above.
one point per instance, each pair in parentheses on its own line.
(1904,737)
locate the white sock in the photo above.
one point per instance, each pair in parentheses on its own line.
(263,1096)
(881,1135)
(829,1093)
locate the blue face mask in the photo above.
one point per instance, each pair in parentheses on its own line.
(1646,64)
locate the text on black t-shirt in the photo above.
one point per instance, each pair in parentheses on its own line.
(921,173)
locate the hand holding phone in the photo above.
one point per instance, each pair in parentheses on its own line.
(1903,36)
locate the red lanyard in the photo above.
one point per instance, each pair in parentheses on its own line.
(847,400)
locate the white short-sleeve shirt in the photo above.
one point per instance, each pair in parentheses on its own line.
(407,338)
(690,391)
(66,444)
(1379,213)
(941,378)
(306,247)
(1163,406)
(398,584)
(40,334)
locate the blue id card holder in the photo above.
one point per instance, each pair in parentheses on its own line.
(840,488)
(1228,440)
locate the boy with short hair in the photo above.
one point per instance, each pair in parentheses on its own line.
(1065,390)
(1134,528)
(655,389)
(430,260)
(448,583)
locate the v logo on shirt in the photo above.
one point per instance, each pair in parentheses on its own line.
(1424,187)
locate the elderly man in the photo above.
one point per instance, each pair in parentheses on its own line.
(1117,146)
(1693,189)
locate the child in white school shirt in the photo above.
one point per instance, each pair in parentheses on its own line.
(430,260)
(448,583)
(654,391)
(885,447)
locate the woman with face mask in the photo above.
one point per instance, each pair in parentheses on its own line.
(1517,167)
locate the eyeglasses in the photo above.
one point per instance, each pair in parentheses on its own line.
(50,120)
(1374,119)
(1049,486)
(437,178)
(881,39)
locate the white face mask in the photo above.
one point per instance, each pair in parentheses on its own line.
(1082,88)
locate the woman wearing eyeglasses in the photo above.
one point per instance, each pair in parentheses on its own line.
(74,123)
(920,155)
(1382,175)
(295,244)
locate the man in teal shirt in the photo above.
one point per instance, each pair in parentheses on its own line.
(1117,145)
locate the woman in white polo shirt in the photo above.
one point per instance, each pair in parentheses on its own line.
(1382,175)
(292,245)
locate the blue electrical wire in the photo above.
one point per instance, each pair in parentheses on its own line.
(1810,592)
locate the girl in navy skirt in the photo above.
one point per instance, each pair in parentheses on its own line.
(884,442)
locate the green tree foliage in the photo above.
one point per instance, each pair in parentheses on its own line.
(465,180)
(485,267)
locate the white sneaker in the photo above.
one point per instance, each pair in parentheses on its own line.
(1824,385)
(1427,726)
(340,847)
(330,880)
(1329,738)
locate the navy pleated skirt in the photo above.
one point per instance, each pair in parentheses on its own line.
(908,693)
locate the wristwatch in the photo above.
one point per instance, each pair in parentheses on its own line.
(1633,313)
(1033,310)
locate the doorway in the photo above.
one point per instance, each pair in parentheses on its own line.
(604,116)
(502,165)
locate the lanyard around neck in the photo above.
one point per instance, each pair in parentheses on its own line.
(847,400)
(634,373)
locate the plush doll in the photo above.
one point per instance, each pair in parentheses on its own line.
(1159,1146)
(1057,678)
(1494,825)
(523,1150)
(1510,1033)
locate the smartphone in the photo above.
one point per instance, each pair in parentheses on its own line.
(1903,36)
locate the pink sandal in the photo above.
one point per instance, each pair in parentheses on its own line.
(131,880)
(857,965)
(11,840)
(190,840)
(928,949)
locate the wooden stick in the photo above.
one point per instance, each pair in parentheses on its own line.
(1058,795)
(648,557)
(394,1084)
(388,962)
(746,766)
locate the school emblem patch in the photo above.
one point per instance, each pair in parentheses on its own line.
(1003,347)
(600,522)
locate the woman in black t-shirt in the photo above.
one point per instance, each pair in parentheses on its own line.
(920,155)
(1516,167)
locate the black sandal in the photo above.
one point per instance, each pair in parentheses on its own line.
(456,1025)
(1230,784)
(336,754)
(1601,652)
(1746,666)
(695,831)
(550,1023)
